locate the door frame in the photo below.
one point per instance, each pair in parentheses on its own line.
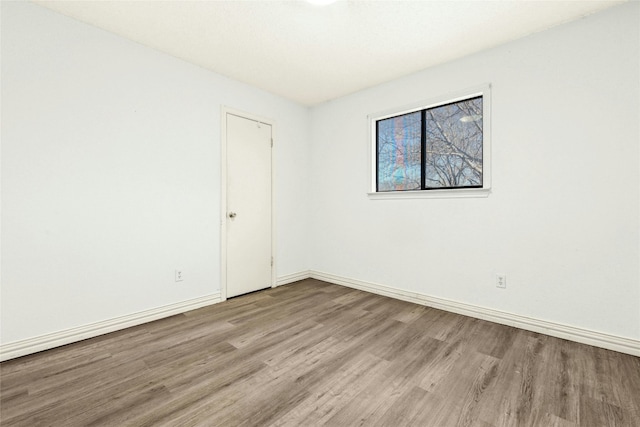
(224,111)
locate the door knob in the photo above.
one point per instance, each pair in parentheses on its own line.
(232,214)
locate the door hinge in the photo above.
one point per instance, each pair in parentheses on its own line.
(271,142)
(271,261)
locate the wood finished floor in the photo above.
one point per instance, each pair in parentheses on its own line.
(313,353)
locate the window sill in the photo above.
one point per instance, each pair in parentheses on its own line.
(432,194)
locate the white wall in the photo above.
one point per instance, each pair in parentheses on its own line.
(110,175)
(563,219)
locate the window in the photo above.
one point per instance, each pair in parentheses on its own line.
(441,149)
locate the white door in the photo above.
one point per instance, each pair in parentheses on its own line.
(248,216)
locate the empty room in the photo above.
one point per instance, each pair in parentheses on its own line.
(307,213)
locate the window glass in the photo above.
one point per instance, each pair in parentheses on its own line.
(454,145)
(399,152)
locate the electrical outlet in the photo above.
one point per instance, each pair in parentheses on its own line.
(179,276)
(501,281)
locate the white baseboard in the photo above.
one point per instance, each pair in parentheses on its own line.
(585,336)
(293,277)
(56,339)
(558,330)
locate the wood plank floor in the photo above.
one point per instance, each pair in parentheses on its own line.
(312,353)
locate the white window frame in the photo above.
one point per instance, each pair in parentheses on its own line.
(485,92)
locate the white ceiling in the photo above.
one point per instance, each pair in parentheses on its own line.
(310,54)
